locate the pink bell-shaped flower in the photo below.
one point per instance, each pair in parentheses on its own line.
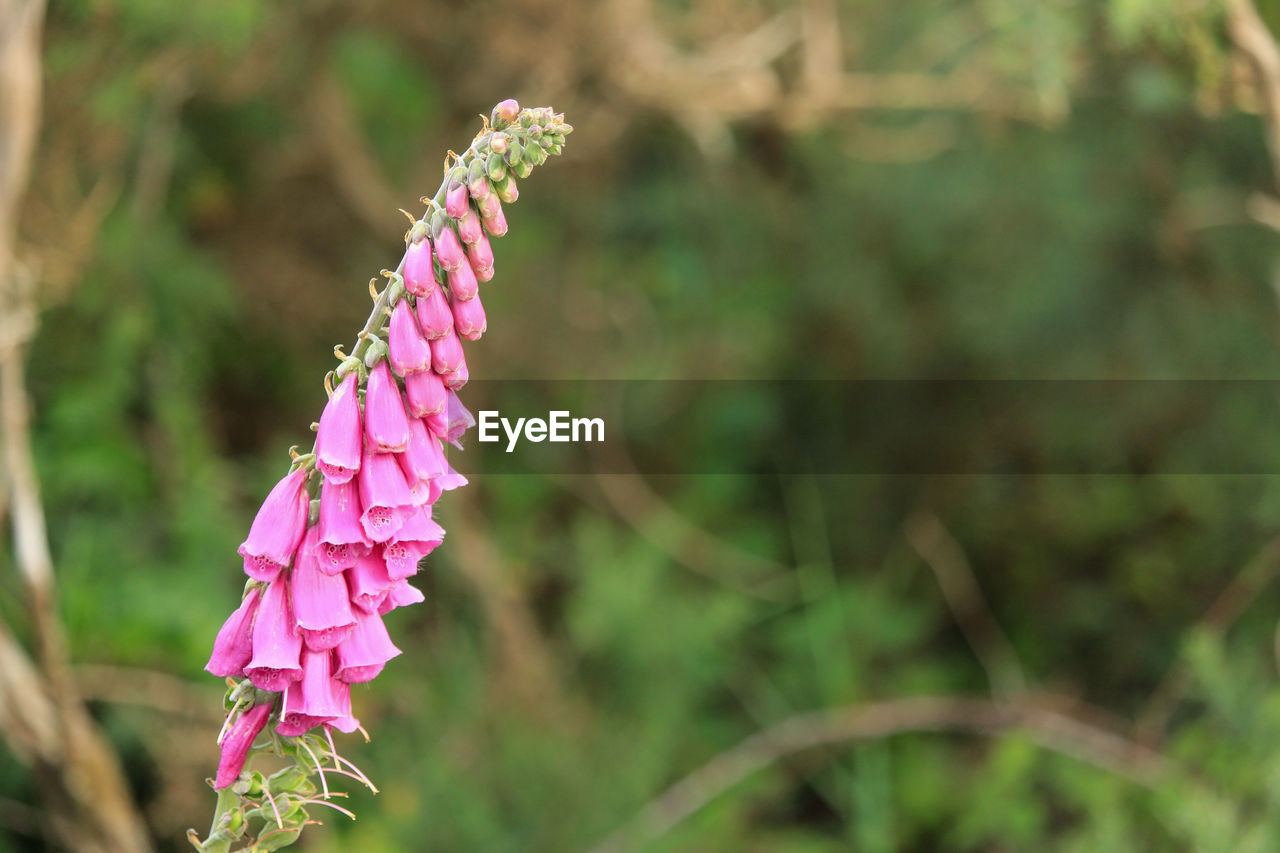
(401,594)
(345,723)
(277,645)
(456,200)
(480,256)
(425,394)
(462,282)
(235,744)
(368,582)
(449,249)
(424,460)
(277,528)
(321,609)
(496,225)
(469,228)
(341,538)
(363,654)
(450,481)
(313,700)
(446,353)
(458,378)
(383,494)
(418,537)
(386,429)
(407,349)
(339,435)
(233,647)
(419,272)
(434,317)
(457,420)
(468,318)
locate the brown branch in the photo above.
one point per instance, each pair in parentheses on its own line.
(944,556)
(1050,729)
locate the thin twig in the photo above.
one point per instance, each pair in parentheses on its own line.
(943,555)
(1050,729)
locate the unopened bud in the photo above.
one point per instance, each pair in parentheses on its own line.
(419,277)
(456,202)
(507,190)
(468,318)
(469,229)
(523,169)
(498,142)
(377,352)
(495,225)
(478,180)
(480,255)
(490,206)
(514,150)
(449,249)
(462,282)
(434,316)
(496,169)
(504,113)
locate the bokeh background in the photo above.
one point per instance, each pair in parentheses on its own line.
(946,189)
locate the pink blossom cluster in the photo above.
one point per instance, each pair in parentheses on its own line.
(334,544)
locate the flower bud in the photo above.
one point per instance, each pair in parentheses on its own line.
(490,206)
(434,317)
(478,179)
(495,168)
(407,348)
(456,202)
(425,394)
(514,151)
(506,189)
(449,249)
(504,113)
(236,742)
(446,353)
(462,282)
(536,154)
(454,381)
(376,352)
(498,142)
(339,434)
(523,169)
(468,318)
(419,277)
(469,229)
(480,255)
(386,429)
(496,225)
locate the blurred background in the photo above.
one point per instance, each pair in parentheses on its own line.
(946,189)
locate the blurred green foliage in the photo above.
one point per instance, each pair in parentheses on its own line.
(601,644)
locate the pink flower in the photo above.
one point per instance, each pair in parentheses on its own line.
(277,528)
(496,224)
(449,250)
(434,317)
(456,201)
(469,229)
(383,494)
(341,538)
(457,420)
(401,594)
(424,460)
(418,537)
(419,273)
(407,349)
(236,742)
(450,481)
(233,647)
(368,582)
(468,318)
(446,353)
(505,112)
(314,699)
(276,644)
(338,436)
(462,282)
(490,207)
(321,609)
(480,255)
(386,428)
(458,378)
(362,655)
(425,394)
(345,723)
